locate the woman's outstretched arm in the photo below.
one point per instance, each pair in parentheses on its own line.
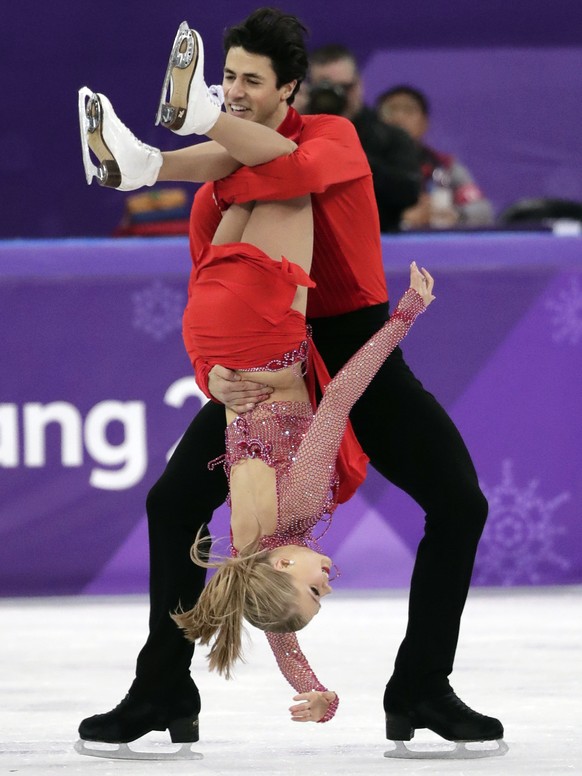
(317,703)
(305,490)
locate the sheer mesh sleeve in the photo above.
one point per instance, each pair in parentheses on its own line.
(296,669)
(305,489)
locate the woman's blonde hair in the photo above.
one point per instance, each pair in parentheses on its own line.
(246,586)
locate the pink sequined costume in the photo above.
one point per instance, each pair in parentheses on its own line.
(302,448)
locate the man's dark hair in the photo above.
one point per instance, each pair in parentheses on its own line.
(420,98)
(332,52)
(277,35)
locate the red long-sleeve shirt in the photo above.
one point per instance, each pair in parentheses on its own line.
(329,164)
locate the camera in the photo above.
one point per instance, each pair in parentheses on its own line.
(327,97)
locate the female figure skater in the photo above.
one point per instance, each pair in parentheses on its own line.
(246,310)
(281,456)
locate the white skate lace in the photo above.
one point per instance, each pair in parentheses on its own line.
(136,140)
(216,93)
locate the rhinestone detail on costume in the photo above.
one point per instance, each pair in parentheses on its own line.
(273,433)
(297,355)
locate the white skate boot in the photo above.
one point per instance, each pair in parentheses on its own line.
(125,163)
(191,107)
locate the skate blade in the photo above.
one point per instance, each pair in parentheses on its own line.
(91,123)
(448,750)
(125,752)
(91,170)
(184,57)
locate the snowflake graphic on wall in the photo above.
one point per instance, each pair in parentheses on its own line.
(157,310)
(566,309)
(517,546)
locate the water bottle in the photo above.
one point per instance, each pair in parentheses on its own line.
(441,198)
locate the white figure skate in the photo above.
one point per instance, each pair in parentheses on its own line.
(125,163)
(187,105)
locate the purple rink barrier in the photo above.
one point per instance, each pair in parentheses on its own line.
(96,389)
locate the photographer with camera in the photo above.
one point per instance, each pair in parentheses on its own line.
(450,196)
(336,88)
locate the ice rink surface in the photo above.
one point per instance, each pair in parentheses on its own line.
(519,659)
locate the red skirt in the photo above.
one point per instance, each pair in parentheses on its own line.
(239,310)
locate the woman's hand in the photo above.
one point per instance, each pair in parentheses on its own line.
(422,282)
(314,705)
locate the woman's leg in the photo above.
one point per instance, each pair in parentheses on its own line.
(278,228)
(232,225)
(284,229)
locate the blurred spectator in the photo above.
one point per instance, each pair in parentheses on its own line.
(450,196)
(335,87)
(301,101)
(160,212)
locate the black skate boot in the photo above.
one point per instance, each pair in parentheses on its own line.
(133,718)
(448,717)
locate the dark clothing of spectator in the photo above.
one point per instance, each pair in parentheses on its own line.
(393,157)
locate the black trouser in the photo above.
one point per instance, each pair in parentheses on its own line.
(409,439)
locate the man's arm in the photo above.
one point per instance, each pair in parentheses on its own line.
(225,386)
(329,152)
